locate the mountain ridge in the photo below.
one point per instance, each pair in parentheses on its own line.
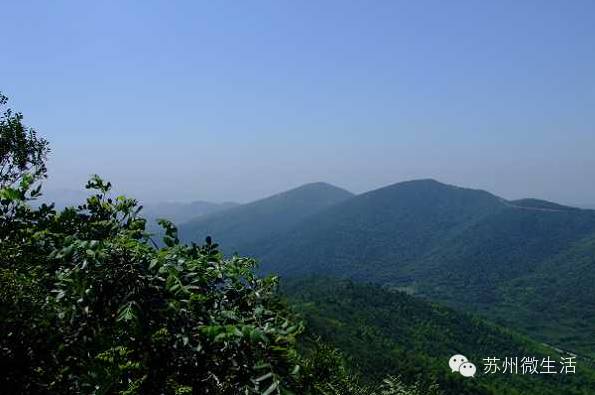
(261,219)
(440,242)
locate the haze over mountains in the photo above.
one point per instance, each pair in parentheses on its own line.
(176,212)
(526,263)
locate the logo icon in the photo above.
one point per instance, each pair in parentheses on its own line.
(460,363)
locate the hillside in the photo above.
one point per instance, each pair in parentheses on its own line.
(248,224)
(441,242)
(374,235)
(555,301)
(388,332)
(509,260)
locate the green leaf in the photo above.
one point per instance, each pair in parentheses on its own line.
(127,312)
(271,388)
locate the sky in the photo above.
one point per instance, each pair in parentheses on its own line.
(233,101)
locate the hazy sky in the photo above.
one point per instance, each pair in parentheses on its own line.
(236,100)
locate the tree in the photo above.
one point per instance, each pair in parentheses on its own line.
(21,150)
(94,308)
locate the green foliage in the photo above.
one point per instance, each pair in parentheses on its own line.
(21,150)
(327,369)
(89,306)
(383,332)
(395,386)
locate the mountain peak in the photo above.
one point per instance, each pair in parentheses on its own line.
(428,191)
(262,219)
(313,193)
(317,186)
(429,183)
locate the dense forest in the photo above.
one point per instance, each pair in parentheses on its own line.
(383,330)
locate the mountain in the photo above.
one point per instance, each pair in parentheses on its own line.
(243,227)
(179,212)
(387,332)
(527,264)
(538,204)
(176,212)
(465,248)
(374,235)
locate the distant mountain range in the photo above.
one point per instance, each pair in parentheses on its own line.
(176,212)
(526,263)
(179,212)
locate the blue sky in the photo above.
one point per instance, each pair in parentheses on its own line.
(236,100)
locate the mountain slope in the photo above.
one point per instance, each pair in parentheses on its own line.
(241,227)
(374,235)
(501,247)
(557,301)
(466,248)
(390,333)
(526,263)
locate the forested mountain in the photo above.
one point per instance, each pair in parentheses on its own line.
(253,223)
(384,331)
(555,301)
(373,235)
(463,247)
